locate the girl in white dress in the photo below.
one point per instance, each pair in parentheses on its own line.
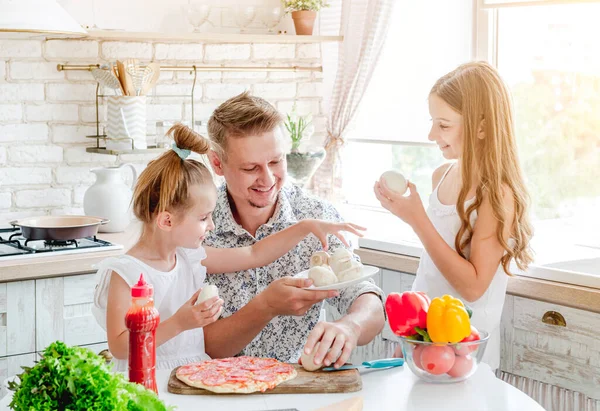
(174,198)
(477,221)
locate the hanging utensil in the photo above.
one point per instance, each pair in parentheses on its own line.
(131,70)
(106,78)
(151,74)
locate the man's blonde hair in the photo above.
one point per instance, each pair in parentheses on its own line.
(241,116)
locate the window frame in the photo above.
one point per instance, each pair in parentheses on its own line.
(485,32)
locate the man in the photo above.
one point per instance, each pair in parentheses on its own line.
(267,313)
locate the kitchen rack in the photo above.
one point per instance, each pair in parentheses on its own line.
(98,149)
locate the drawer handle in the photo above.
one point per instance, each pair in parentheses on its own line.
(554,318)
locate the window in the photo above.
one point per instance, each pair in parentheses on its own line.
(549,56)
(391,127)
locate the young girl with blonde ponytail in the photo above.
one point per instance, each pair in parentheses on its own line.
(174,198)
(477,221)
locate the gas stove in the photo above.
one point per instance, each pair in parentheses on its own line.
(14,245)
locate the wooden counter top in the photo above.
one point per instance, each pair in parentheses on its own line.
(569,295)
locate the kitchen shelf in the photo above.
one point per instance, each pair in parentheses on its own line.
(210,37)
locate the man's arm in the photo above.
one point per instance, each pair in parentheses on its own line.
(285,296)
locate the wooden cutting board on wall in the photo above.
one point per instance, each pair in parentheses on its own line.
(304,383)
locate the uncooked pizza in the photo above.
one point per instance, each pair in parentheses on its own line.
(241,375)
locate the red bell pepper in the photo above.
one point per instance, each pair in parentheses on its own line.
(406,311)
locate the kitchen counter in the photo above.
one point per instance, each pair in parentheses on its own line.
(19,269)
(26,268)
(569,295)
(391,389)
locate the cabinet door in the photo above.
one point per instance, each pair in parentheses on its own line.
(10,366)
(565,355)
(17,318)
(64,313)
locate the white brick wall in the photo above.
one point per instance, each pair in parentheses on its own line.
(48,197)
(51,112)
(5,201)
(11,112)
(21,92)
(191,52)
(124,50)
(23,133)
(24,70)
(64,50)
(46,114)
(35,154)
(20,48)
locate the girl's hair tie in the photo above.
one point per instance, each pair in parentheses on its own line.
(181,152)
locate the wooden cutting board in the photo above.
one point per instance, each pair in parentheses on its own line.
(304,383)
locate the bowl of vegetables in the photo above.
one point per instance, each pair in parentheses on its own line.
(438,342)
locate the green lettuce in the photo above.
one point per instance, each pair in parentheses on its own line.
(77,379)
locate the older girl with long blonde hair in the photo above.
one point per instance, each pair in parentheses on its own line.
(477,221)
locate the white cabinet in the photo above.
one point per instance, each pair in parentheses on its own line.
(17,318)
(35,313)
(64,311)
(566,356)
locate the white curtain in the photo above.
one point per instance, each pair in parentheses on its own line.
(364,26)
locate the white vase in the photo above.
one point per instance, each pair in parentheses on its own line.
(109,197)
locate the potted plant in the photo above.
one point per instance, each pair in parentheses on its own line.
(304,13)
(302,160)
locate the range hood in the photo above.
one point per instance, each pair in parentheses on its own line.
(22,18)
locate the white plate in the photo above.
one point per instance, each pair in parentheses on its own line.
(366,272)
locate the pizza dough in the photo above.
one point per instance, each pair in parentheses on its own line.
(308,360)
(322,275)
(207,292)
(237,375)
(395,181)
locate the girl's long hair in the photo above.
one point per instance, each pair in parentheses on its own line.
(476,91)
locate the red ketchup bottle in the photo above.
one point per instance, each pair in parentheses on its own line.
(141,320)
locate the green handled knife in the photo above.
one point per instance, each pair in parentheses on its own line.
(384,363)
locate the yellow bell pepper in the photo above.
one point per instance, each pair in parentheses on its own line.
(447,320)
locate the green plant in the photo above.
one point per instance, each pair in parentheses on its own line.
(297,5)
(296,125)
(77,379)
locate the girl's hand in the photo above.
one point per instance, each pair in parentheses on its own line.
(408,208)
(190,316)
(321,229)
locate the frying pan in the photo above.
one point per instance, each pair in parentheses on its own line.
(67,227)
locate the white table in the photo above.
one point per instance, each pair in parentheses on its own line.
(391,389)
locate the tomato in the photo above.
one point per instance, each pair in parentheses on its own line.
(462,366)
(417,355)
(461,349)
(437,359)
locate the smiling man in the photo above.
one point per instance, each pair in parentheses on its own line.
(267,313)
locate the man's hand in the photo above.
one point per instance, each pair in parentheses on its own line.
(338,339)
(286,296)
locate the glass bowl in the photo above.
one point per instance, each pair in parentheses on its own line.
(444,363)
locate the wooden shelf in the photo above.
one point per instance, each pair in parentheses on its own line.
(210,37)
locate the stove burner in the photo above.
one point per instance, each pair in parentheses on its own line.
(59,243)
